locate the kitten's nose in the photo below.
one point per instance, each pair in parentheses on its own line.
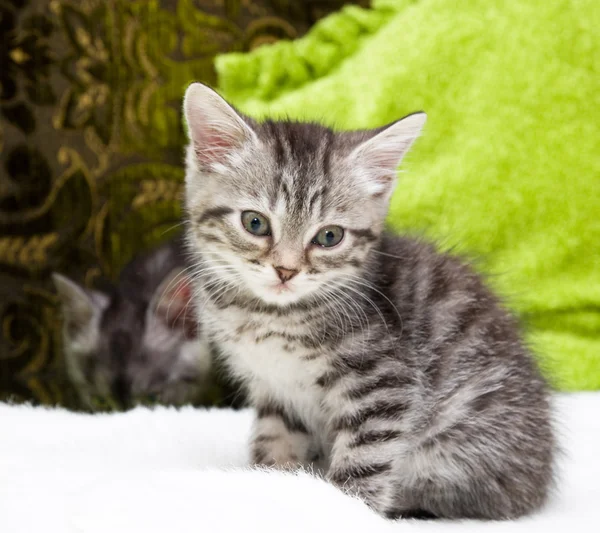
(285,274)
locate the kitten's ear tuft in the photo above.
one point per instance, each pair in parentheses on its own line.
(172,305)
(79,306)
(382,153)
(214,127)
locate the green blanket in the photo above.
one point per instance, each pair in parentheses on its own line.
(508,169)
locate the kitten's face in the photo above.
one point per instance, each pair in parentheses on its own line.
(283,210)
(118,351)
(285,231)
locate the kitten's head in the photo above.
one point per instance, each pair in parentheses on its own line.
(127,351)
(286,210)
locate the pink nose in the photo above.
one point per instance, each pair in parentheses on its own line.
(285,274)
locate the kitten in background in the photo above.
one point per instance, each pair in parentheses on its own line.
(138,342)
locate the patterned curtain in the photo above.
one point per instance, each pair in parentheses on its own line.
(91,146)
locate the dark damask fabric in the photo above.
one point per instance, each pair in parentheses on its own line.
(91,147)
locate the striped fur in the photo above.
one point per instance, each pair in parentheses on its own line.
(389,364)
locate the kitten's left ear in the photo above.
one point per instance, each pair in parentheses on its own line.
(381,154)
(171,305)
(80,306)
(214,127)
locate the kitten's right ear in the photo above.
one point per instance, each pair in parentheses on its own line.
(382,153)
(79,306)
(214,127)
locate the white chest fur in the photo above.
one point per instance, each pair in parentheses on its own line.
(259,351)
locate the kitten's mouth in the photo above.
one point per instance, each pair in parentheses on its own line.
(282,288)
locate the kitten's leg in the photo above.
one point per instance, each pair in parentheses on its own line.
(476,470)
(449,474)
(368,428)
(362,465)
(279,438)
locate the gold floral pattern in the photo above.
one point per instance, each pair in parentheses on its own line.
(91,146)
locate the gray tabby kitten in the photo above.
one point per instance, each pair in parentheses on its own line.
(390,363)
(137,343)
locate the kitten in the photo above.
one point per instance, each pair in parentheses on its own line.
(390,363)
(138,342)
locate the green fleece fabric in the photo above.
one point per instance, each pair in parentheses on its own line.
(508,167)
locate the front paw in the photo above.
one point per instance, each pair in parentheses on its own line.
(277,455)
(369,482)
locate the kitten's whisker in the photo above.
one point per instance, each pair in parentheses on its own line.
(387,254)
(362,320)
(372,303)
(216,284)
(338,306)
(350,300)
(220,285)
(172,227)
(166,290)
(361,281)
(195,298)
(327,298)
(176,280)
(355,305)
(339,311)
(185,308)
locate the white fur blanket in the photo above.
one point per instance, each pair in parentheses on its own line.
(185,470)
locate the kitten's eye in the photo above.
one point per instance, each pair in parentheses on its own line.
(329,236)
(256,223)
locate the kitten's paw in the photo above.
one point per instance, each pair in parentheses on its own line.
(363,482)
(275,457)
(282,463)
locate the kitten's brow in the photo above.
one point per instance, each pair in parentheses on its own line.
(364,233)
(214,213)
(316,195)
